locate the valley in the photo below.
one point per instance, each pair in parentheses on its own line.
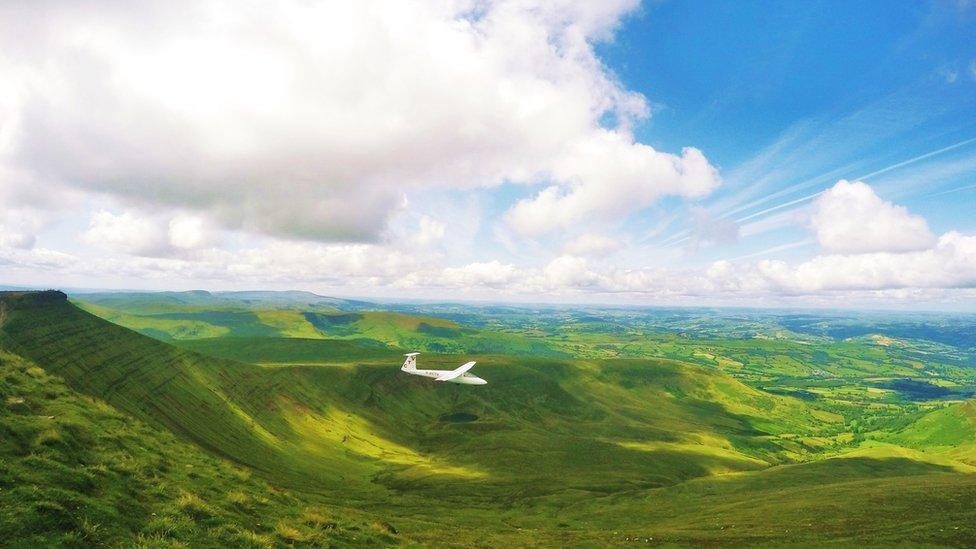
(597,426)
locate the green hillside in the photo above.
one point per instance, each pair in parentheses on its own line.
(76,472)
(553,451)
(950,431)
(882,501)
(291,350)
(164,386)
(350,424)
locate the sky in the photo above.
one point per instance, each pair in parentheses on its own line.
(815,154)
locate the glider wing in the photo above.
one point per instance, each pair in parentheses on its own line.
(456,373)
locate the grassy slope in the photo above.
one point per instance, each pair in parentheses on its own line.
(288,350)
(155,382)
(880,501)
(229,408)
(74,471)
(949,432)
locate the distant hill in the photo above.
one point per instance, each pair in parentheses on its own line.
(154,301)
(200,315)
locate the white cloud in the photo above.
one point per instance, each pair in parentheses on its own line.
(13,239)
(951,263)
(851,218)
(570,272)
(591,245)
(136,233)
(286,126)
(176,246)
(126,232)
(291,262)
(278,263)
(36,260)
(429,231)
(187,232)
(19,226)
(312,120)
(493,274)
(949,266)
(608,177)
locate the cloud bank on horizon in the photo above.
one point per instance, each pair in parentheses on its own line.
(482,149)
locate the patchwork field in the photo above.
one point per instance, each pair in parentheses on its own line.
(596,427)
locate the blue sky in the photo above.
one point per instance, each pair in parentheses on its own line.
(743,153)
(847,89)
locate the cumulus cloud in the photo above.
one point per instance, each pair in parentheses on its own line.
(180,246)
(127,233)
(312,120)
(188,232)
(570,272)
(151,236)
(950,263)
(608,177)
(851,218)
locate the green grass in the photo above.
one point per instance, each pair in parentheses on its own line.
(852,501)
(950,431)
(286,350)
(186,317)
(554,451)
(76,472)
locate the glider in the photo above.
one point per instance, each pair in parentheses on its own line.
(460,375)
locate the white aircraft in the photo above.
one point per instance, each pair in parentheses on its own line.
(460,375)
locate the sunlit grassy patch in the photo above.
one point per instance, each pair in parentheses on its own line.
(335,431)
(289,323)
(727,459)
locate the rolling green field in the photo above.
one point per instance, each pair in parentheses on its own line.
(218,412)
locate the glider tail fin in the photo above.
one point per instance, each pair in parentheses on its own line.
(410,364)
